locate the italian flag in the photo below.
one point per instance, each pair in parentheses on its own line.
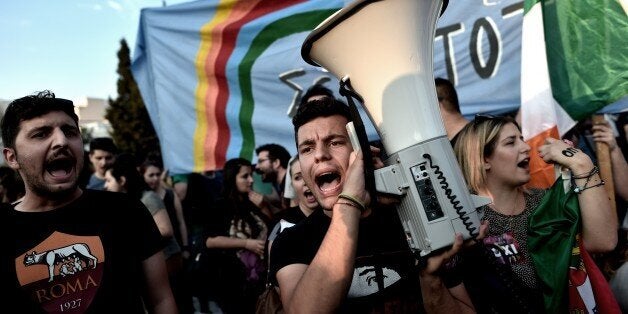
(574,61)
(569,278)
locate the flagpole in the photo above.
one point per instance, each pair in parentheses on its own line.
(603,154)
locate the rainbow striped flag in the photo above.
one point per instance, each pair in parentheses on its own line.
(246,74)
(219,77)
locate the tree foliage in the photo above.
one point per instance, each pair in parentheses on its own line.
(132,129)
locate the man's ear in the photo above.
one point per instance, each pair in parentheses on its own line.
(122,180)
(276,163)
(10,157)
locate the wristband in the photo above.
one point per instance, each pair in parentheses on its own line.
(579,189)
(587,175)
(353,200)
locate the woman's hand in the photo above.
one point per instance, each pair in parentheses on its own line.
(560,152)
(257,199)
(255,246)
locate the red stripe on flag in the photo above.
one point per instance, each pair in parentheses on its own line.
(241,13)
(604,298)
(228,42)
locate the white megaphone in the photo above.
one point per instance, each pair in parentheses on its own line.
(385,49)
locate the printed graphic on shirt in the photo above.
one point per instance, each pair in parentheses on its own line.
(63,272)
(505,248)
(364,281)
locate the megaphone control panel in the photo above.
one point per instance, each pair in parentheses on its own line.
(435,202)
(426,191)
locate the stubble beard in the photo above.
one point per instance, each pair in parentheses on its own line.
(269,177)
(40,188)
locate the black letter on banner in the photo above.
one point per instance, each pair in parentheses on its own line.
(448,47)
(487,70)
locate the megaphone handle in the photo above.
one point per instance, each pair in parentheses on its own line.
(353,137)
(360,131)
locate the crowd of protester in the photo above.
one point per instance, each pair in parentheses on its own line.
(223,242)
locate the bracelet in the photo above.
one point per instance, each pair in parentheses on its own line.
(587,176)
(579,189)
(354,200)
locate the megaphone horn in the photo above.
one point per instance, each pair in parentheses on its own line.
(385,48)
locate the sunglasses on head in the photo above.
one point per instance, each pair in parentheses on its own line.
(481,117)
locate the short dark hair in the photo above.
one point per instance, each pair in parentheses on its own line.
(103,143)
(316,90)
(30,107)
(323,107)
(451,93)
(275,151)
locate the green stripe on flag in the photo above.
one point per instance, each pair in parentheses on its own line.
(551,236)
(528,4)
(281,28)
(587,53)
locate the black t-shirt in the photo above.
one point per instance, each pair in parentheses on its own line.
(85,257)
(285,219)
(384,274)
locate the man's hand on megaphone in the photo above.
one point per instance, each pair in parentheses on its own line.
(354,182)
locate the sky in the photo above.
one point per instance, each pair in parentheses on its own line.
(66,46)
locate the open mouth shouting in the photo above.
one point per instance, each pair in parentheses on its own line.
(524,164)
(309,196)
(328,182)
(61,169)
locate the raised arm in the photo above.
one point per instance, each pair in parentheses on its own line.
(323,285)
(602,133)
(599,222)
(436,297)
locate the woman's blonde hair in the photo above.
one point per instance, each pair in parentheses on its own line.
(477,141)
